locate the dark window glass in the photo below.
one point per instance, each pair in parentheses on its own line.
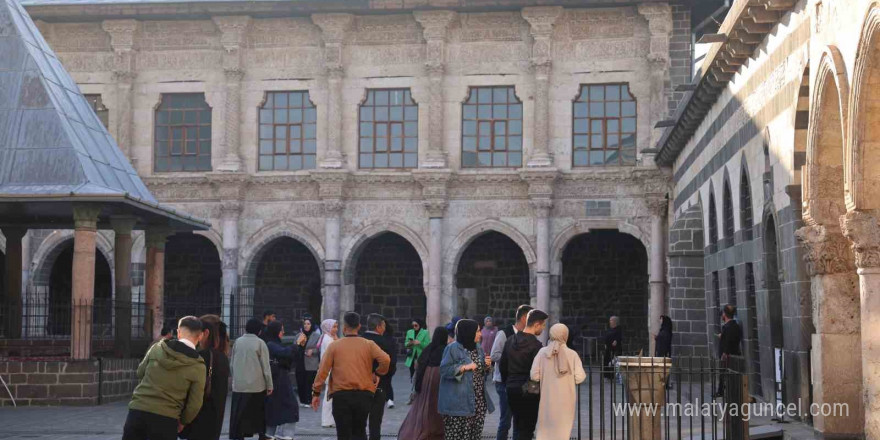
(388,130)
(716,296)
(731,286)
(287,136)
(491,134)
(183,133)
(713,224)
(745,205)
(99,108)
(728,215)
(604,126)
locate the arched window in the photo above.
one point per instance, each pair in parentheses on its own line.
(727,218)
(745,205)
(713,223)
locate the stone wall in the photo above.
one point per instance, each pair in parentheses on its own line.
(495,266)
(605,273)
(687,300)
(388,280)
(62,382)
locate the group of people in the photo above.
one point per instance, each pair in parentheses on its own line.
(184,380)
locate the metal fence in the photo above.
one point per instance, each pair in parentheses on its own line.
(40,318)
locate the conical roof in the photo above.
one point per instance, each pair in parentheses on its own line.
(51,141)
(54,151)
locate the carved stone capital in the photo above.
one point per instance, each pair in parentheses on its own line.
(333,207)
(124,77)
(541,206)
(121,33)
(229,185)
(331,184)
(826,250)
(540,182)
(861,228)
(541,19)
(122,225)
(233,30)
(86,216)
(333,26)
(435,69)
(435,23)
(230,208)
(156,237)
(659,17)
(234,75)
(436,207)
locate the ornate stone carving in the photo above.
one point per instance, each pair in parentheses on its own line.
(333,31)
(386,29)
(657,206)
(491,26)
(540,184)
(435,186)
(283,32)
(826,250)
(541,19)
(333,207)
(608,23)
(230,208)
(541,206)
(178,34)
(861,228)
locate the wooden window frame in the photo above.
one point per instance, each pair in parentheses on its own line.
(268,105)
(369,103)
(584,97)
(183,126)
(474,100)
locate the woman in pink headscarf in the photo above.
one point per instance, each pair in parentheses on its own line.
(330,330)
(559,370)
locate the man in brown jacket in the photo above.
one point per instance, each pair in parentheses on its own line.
(353,381)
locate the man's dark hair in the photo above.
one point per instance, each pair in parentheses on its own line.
(522,310)
(730,311)
(374,320)
(190,323)
(351,320)
(535,317)
(165,331)
(254,326)
(268,313)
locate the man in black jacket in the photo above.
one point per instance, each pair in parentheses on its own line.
(613,345)
(731,337)
(376,333)
(516,366)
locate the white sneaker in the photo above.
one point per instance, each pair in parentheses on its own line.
(305,405)
(390,404)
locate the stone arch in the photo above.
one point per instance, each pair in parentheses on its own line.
(466,236)
(770,324)
(712,220)
(215,238)
(584,227)
(52,246)
(357,242)
(862,158)
(746,200)
(801,123)
(825,189)
(728,221)
(256,245)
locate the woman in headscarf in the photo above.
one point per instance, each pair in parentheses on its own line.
(282,412)
(416,341)
(423,422)
(663,340)
(330,330)
(307,364)
(463,398)
(213,349)
(559,370)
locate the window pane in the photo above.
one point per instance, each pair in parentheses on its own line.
(500,95)
(396,130)
(265,163)
(310,146)
(515,111)
(514,159)
(628,125)
(469,128)
(265,132)
(381,113)
(309,162)
(499,111)
(468,159)
(411,160)
(499,159)
(500,128)
(597,158)
(265,116)
(281,116)
(597,110)
(382,144)
(580,110)
(366,113)
(597,93)
(295,132)
(484,159)
(380,161)
(280,99)
(396,114)
(515,127)
(612,92)
(485,95)
(514,143)
(581,141)
(295,162)
(580,125)
(381,97)
(366,145)
(280,162)
(628,108)
(580,158)
(296,146)
(396,144)
(366,160)
(280,146)
(310,131)
(311,115)
(469,144)
(366,129)
(265,147)
(411,129)
(470,112)
(612,109)
(485,143)
(412,113)
(395,160)
(295,99)
(484,112)
(411,144)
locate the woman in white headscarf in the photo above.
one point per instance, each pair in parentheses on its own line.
(330,330)
(559,370)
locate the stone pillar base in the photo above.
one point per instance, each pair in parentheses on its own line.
(837,380)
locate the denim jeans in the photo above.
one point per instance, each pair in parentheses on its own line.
(506,415)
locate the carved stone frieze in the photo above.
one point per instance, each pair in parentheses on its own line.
(540,182)
(435,190)
(491,26)
(861,228)
(657,206)
(79,37)
(331,184)
(585,24)
(827,251)
(386,29)
(178,34)
(333,31)
(283,32)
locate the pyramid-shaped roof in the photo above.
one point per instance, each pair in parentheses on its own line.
(52,143)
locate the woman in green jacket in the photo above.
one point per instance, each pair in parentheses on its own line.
(417,338)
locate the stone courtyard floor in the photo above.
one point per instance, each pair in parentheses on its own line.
(105,422)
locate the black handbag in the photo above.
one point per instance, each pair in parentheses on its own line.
(532,387)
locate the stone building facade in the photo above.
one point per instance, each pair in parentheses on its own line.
(773,156)
(416,159)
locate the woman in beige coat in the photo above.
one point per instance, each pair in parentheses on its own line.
(559,370)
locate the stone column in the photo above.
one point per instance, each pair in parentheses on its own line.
(541,19)
(862,229)
(836,364)
(434,26)
(122,227)
(13,277)
(657,303)
(230,211)
(233,33)
(155,281)
(333,29)
(659,18)
(434,186)
(122,34)
(541,200)
(331,185)
(85,221)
